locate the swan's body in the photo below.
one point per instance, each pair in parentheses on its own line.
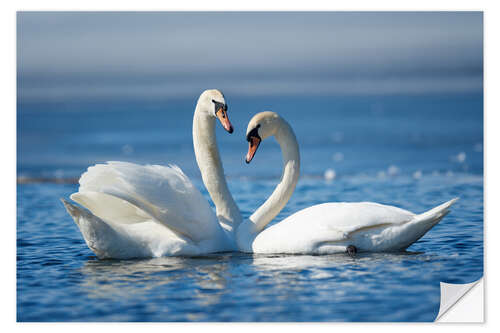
(332,227)
(325,228)
(139,211)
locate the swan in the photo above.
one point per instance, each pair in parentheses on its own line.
(144,211)
(325,228)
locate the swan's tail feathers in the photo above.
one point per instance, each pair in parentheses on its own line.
(435,215)
(97,234)
(75,211)
(416,228)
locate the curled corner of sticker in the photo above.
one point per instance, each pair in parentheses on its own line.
(462,302)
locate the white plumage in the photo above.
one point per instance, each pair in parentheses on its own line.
(135,211)
(331,227)
(144,211)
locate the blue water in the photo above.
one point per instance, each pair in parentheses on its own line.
(414,152)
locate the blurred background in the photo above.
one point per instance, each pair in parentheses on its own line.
(366,92)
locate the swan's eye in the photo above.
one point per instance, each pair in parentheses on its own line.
(219,106)
(253,134)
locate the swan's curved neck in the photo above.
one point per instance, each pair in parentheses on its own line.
(289,178)
(212,172)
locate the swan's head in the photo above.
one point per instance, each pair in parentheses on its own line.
(212,102)
(260,127)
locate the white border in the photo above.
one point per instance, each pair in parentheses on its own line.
(492,111)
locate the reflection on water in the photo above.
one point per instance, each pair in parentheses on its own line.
(119,279)
(339,260)
(337,275)
(275,287)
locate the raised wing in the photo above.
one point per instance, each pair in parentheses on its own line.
(164,193)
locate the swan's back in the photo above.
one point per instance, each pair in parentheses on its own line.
(306,231)
(349,216)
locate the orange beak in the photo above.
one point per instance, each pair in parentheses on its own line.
(224,120)
(253,144)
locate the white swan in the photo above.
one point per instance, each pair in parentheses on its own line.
(151,211)
(325,228)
